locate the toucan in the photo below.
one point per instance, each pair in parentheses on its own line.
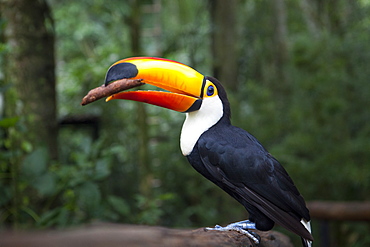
(229,156)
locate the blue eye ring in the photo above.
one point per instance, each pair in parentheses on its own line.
(210,90)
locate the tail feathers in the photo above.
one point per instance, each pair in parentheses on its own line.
(306,242)
(307,225)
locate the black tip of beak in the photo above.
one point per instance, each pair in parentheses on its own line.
(120,71)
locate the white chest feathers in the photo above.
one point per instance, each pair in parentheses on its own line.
(197,122)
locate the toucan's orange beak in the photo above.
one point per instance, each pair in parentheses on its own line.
(185,85)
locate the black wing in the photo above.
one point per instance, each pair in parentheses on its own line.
(238,163)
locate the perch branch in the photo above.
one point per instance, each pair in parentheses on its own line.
(132,235)
(340,210)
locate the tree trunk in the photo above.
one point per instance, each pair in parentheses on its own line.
(144,171)
(30,68)
(281,40)
(224,42)
(310,17)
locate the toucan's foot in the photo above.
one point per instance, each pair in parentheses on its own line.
(242,227)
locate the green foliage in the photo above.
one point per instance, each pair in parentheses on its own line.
(314,120)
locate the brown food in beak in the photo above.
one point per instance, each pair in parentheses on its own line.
(112,88)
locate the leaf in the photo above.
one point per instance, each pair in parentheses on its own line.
(89,197)
(63,217)
(31,213)
(119,205)
(45,184)
(49,218)
(8,122)
(166,196)
(6,194)
(35,163)
(102,169)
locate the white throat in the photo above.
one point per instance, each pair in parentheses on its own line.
(197,122)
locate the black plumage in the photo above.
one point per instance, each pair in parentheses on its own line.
(236,161)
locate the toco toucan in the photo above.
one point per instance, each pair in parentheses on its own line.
(230,157)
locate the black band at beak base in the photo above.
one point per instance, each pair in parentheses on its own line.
(195,106)
(121,71)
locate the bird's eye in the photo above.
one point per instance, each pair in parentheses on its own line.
(210,90)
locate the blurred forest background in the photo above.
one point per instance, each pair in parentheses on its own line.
(298,77)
